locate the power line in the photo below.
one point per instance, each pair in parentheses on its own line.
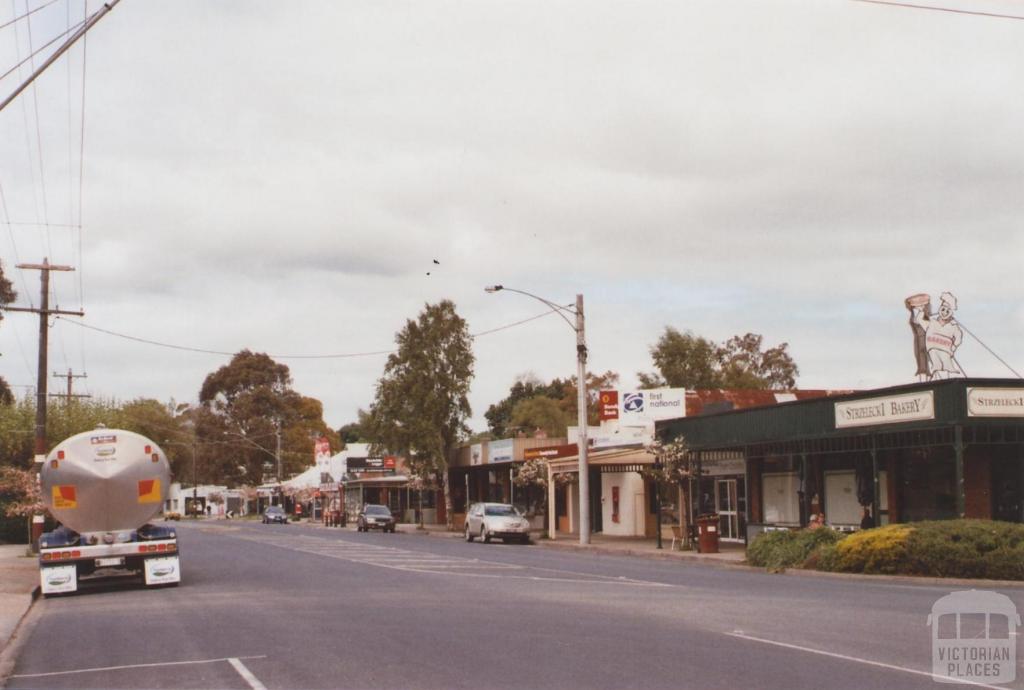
(942,9)
(349,355)
(31,12)
(41,49)
(21,273)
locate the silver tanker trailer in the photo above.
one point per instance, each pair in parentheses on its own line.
(104,486)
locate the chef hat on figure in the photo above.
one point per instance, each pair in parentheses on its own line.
(948,299)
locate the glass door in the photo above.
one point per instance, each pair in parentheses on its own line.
(727,507)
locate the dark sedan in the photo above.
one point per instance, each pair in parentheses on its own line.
(275,514)
(375,517)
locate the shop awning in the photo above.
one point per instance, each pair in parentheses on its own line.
(397,480)
(612,460)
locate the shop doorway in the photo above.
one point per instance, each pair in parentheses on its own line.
(727,505)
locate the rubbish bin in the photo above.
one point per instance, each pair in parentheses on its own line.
(707,541)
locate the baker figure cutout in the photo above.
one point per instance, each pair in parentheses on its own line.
(936,336)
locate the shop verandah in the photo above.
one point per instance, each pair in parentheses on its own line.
(926,451)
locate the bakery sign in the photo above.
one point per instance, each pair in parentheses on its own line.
(995,402)
(910,407)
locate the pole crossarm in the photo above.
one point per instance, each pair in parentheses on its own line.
(46,312)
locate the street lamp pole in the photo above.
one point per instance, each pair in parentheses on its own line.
(195,481)
(581,399)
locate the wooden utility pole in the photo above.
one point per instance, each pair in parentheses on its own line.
(44,312)
(67,396)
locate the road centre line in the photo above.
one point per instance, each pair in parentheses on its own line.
(246,674)
(868,662)
(131,666)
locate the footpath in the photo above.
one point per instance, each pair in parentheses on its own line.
(19,582)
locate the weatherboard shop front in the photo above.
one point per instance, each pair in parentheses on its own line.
(937,450)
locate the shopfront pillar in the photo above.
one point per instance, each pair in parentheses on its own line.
(746,497)
(875,484)
(803,493)
(552,510)
(958,450)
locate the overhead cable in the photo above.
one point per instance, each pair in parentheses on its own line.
(30,12)
(348,355)
(954,10)
(991,352)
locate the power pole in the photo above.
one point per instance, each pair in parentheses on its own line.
(67,396)
(44,312)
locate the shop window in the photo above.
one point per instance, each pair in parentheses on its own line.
(781,500)
(841,505)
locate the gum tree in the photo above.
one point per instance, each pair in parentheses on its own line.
(422,399)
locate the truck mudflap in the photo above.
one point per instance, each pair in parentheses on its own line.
(58,579)
(162,570)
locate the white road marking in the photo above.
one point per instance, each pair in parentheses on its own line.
(247,675)
(131,666)
(868,662)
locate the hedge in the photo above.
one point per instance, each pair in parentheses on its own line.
(946,548)
(783,549)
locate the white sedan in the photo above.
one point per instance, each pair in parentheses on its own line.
(501,520)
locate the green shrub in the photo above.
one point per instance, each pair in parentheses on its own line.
(946,548)
(789,548)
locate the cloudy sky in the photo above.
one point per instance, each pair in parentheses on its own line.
(280,176)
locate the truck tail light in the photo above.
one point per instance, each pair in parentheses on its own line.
(76,554)
(161,547)
(65,554)
(172,547)
(46,557)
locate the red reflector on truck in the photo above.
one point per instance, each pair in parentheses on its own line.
(76,554)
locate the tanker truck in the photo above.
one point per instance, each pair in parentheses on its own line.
(104,486)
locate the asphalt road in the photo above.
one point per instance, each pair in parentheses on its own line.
(272,606)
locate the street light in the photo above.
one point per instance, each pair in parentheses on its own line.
(581,389)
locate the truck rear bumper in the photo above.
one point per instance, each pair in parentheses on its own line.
(60,569)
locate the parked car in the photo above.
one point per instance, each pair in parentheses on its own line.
(501,520)
(374,516)
(275,514)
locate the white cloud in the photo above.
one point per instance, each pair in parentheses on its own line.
(282,176)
